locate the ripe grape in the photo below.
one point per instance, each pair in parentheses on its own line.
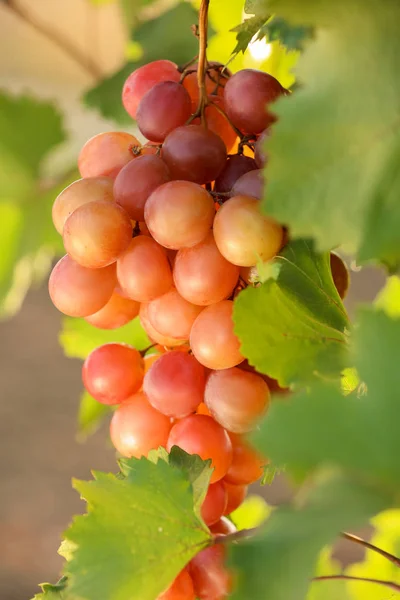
(236,494)
(179,214)
(217,122)
(194,153)
(212,581)
(136,181)
(340,275)
(260,155)
(136,427)
(247,464)
(149,361)
(236,398)
(79,292)
(249,184)
(143,270)
(116,313)
(172,315)
(236,166)
(202,275)
(97,233)
(175,384)
(223,527)
(214,503)
(215,80)
(106,153)
(155,335)
(213,340)
(78,193)
(113,372)
(162,109)
(247,94)
(143,79)
(199,434)
(243,235)
(180,589)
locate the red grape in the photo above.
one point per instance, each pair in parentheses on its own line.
(340,274)
(79,292)
(172,315)
(162,109)
(236,398)
(194,153)
(211,579)
(179,214)
(217,122)
(248,94)
(214,503)
(249,184)
(260,155)
(236,494)
(236,166)
(106,153)
(78,193)
(97,233)
(175,384)
(213,340)
(199,434)
(180,589)
(244,235)
(155,335)
(113,372)
(136,427)
(117,312)
(247,464)
(143,79)
(143,270)
(202,275)
(136,181)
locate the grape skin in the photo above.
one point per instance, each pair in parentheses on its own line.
(106,153)
(172,315)
(116,313)
(249,184)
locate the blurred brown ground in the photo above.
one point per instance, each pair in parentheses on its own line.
(39,391)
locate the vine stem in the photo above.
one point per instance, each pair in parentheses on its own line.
(236,536)
(202,65)
(390,584)
(358,540)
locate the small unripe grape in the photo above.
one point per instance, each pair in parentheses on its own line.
(78,193)
(213,340)
(136,427)
(244,235)
(78,291)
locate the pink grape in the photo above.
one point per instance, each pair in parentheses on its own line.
(116,313)
(106,153)
(156,336)
(214,503)
(249,184)
(172,315)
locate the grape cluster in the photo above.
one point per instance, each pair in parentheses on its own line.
(171,231)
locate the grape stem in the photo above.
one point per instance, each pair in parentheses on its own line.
(390,584)
(369,546)
(202,64)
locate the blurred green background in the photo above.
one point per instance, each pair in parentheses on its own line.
(62,66)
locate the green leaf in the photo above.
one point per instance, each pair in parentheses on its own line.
(139,532)
(256,7)
(279,562)
(334,153)
(53,591)
(388,299)
(387,537)
(246,31)
(324,427)
(29,130)
(168,36)
(90,415)
(78,338)
(293,327)
(291,36)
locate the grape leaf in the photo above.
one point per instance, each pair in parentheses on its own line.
(334,153)
(279,562)
(256,7)
(293,327)
(78,338)
(291,36)
(55,591)
(324,426)
(246,31)
(175,42)
(140,531)
(387,537)
(90,415)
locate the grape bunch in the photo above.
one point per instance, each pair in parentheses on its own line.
(171,231)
